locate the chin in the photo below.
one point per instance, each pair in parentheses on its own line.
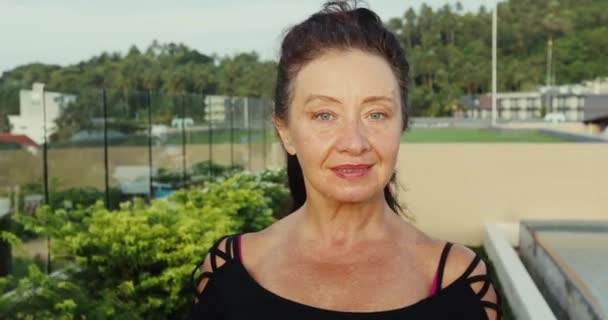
(353,191)
(352,195)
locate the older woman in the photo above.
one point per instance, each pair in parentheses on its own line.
(345,252)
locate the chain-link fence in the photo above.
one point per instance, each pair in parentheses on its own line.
(116,144)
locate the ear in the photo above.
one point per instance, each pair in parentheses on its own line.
(284,134)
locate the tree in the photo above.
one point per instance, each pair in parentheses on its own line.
(5,125)
(448,50)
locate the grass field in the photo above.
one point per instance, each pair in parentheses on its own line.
(448,135)
(475,135)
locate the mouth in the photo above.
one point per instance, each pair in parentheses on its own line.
(351,171)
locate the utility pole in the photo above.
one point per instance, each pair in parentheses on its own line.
(494,44)
(549,74)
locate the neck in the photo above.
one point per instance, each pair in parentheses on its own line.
(333,224)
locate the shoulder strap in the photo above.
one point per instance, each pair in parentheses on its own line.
(228,253)
(441,267)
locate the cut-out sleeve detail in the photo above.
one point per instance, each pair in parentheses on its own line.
(206,301)
(477,276)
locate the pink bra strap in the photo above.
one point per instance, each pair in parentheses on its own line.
(238,246)
(433,290)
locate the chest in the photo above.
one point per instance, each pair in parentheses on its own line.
(370,283)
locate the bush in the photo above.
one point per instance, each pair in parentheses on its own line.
(208,168)
(200,172)
(135,262)
(67,199)
(5,248)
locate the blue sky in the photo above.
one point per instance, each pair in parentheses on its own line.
(67,31)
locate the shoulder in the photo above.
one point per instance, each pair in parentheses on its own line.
(463,264)
(459,261)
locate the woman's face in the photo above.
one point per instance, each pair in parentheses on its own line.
(344,125)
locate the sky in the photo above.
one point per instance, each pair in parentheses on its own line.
(68,31)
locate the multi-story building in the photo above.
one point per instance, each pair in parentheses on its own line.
(30,121)
(237,112)
(568,100)
(510,106)
(215,108)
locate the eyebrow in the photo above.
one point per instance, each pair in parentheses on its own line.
(378,99)
(314,97)
(369,99)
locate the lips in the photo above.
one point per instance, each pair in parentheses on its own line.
(350,171)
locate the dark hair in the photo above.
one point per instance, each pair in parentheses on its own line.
(339,25)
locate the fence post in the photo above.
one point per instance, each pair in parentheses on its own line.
(105,148)
(149,104)
(264,121)
(210,125)
(248,133)
(45,167)
(184,140)
(231,113)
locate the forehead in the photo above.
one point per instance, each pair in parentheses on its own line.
(346,74)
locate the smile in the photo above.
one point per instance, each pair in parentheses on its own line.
(352,171)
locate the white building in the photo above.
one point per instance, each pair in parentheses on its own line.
(568,100)
(30,121)
(238,112)
(510,106)
(215,108)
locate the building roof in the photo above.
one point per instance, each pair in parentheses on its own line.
(19,139)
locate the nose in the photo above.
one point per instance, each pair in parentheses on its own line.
(353,138)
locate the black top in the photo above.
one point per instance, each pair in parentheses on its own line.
(231,293)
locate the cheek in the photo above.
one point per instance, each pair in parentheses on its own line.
(387,144)
(312,144)
(387,135)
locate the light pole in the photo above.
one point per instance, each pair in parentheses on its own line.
(494,38)
(549,80)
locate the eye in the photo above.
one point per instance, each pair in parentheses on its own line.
(377,116)
(324,116)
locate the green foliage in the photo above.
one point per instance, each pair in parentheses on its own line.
(135,262)
(171,69)
(5,126)
(82,197)
(273,184)
(213,169)
(448,50)
(200,172)
(39,296)
(65,199)
(6,240)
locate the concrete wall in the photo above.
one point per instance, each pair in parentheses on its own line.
(453,189)
(561,287)
(519,289)
(450,189)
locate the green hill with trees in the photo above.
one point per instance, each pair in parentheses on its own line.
(449,51)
